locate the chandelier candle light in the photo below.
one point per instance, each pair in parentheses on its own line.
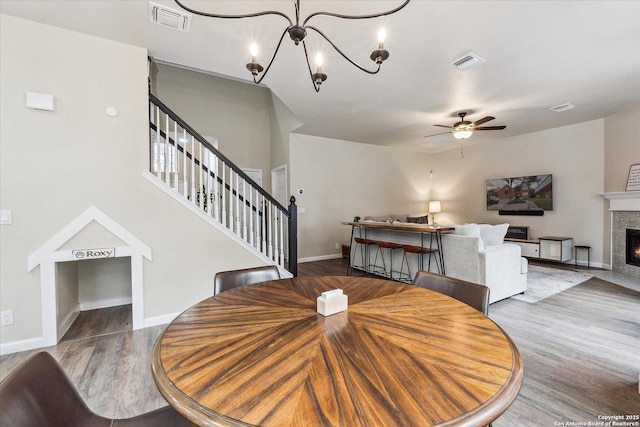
(298,32)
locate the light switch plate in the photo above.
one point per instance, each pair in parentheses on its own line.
(40,101)
(5,216)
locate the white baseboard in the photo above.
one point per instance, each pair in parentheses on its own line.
(66,324)
(105,303)
(160,320)
(319,258)
(23,345)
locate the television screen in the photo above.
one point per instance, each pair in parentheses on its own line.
(523,195)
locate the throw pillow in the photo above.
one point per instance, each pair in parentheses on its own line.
(493,234)
(418,219)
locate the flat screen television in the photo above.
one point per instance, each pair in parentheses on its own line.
(522,195)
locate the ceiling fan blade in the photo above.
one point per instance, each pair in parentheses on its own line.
(484,120)
(443,126)
(435,134)
(490,128)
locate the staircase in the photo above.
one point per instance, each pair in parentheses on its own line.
(195,173)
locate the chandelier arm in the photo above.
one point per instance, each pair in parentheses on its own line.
(306,55)
(337,15)
(266,70)
(296,5)
(248,15)
(355,64)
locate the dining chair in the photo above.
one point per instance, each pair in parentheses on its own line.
(473,294)
(225,280)
(39,393)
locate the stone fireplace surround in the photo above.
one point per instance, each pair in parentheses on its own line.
(625,214)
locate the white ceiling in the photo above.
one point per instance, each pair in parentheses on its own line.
(539,54)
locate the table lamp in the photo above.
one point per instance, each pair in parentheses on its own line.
(434,207)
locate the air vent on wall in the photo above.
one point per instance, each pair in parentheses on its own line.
(467,61)
(162,15)
(562,107)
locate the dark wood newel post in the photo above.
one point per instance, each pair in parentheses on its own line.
(293,237)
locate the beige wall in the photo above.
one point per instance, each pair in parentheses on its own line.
(622,149)
(67,290)
(236,113)
(343,179)
(283,122)
(55,165)
(572,154)
(104,279)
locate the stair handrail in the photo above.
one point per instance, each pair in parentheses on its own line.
(289,212)
(218,154)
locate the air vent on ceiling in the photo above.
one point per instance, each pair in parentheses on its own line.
(467,61)
(562,107)
(162,15)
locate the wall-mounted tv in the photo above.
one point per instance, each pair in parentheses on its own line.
(522,195)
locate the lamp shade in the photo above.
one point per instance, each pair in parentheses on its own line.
(434,207)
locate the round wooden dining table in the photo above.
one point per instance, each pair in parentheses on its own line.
(400,355)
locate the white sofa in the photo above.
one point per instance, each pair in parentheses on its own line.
(467,256)
(498,266)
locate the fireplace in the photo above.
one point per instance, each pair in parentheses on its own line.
(625,220)
(632,247)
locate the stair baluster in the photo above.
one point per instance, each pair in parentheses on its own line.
(219,188)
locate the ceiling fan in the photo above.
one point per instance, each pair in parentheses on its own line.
(464,128)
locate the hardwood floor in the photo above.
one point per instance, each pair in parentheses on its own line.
(92,323)
(580,350)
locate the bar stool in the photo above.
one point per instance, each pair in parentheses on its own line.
(588,249)
(392,247)
(420,251)
(363,244)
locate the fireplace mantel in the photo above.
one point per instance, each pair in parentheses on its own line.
(623,201)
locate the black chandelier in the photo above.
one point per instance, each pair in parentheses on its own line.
(298,32)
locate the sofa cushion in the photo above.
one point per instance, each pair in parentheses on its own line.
(467,230)
(493,234)
(380,218)
(471,230)
(399,218)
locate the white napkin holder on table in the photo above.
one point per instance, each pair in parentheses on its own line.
(332,302)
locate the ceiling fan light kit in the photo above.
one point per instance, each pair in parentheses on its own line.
(463,132)
(298,32)
(464,128)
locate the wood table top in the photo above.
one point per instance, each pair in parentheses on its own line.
(426,228)
(399,356)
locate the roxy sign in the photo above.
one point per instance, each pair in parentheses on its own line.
(94,253)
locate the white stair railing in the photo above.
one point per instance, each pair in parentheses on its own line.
(194,169)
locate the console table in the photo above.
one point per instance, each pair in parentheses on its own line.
(434,232)
(556,248)
(550,248)
(528,248)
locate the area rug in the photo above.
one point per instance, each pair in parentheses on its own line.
(543,282)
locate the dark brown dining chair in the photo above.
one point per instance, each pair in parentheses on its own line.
(39,393)
(473,294)
(225,280)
